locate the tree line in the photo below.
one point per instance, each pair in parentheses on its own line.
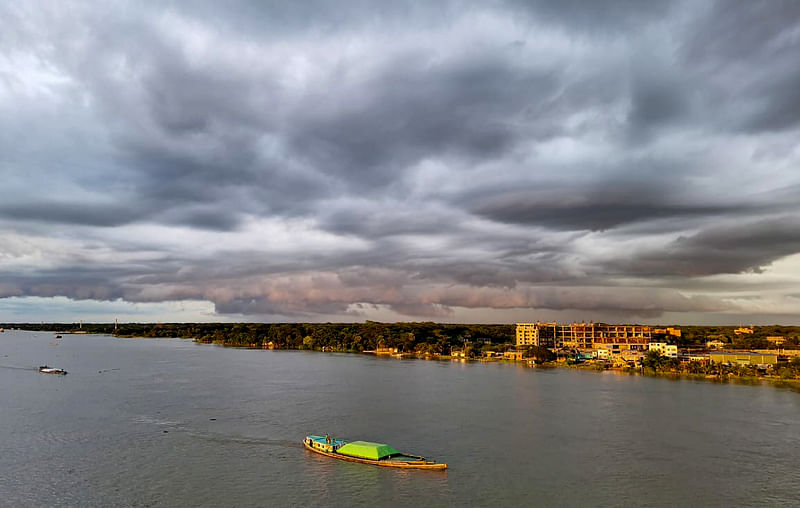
(420,337)
(654,363)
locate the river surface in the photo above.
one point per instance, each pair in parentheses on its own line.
(167,422)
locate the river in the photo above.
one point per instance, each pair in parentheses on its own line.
(167,422)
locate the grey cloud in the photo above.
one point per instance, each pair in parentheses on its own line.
(657,99)
(740,31)
(750,246)
(777,102)
(8,290)
(552,135)
(220,218)
(598,208)
(378,220)
(59,212)
(416,108)
(745,54)
(263,306)
(426,310)
(76,285)
(267,20)
(602,16)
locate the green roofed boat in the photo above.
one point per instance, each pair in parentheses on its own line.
(377,454)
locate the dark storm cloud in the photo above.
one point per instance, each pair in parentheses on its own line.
(415,107)
(658,98)
(334,158)
(748,247)
(778,103)
(600,16)
(747,53)
(625,199)
(743,31)
(376,222)
(592,212)
(80,283)
(263,306)
(54,212)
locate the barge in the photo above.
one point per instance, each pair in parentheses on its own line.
(366,452)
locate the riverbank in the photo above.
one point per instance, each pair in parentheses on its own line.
(791,382)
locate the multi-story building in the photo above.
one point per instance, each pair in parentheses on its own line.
(622,337)
(584,336)
(536,334)
(668,350)
(675,332)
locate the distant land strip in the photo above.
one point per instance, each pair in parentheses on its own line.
(488,342)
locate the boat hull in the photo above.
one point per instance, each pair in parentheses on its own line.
(49,370)
(411,464)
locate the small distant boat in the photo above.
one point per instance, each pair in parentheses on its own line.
(365,452)
(44,369)
(57,336)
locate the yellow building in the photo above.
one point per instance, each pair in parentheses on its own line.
(675,332)
(535,334)
(743,331)
(744,358)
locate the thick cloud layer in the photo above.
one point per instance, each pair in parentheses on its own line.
(459,161)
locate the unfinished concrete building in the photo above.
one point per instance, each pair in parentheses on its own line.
(584,336)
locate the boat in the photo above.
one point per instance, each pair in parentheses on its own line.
(44,369)
(366,452)
(57,336)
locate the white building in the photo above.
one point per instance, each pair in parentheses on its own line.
(665,349)
(600,354)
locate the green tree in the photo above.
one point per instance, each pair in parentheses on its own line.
(539,353)
(654,361)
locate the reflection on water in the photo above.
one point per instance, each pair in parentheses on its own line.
(173,423)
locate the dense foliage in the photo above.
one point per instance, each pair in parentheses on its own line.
(694,336)
(655,363)
(425,337)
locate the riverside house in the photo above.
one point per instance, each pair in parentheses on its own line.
(512,355)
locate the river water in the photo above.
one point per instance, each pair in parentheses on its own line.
(167,422)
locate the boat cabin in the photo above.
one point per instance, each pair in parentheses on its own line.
(324,443)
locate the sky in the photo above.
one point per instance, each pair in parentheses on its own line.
(458,161)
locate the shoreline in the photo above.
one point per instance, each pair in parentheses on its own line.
(778,382)
(790,383)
